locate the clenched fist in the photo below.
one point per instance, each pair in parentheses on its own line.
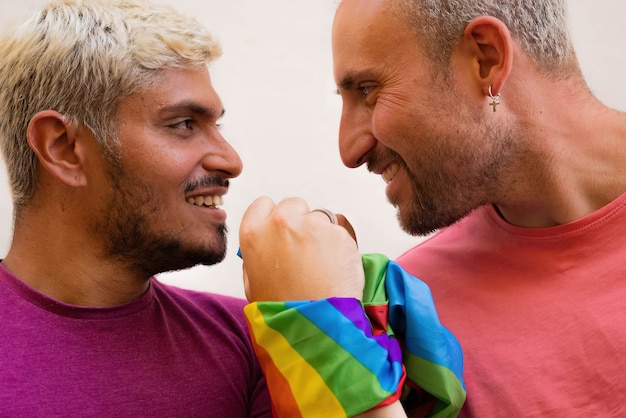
(291,253)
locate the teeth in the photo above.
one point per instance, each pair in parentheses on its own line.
(210,201)
(390,173)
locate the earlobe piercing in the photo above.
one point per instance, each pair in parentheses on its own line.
(495,100)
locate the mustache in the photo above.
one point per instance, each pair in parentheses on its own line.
(384,157)
(206,181)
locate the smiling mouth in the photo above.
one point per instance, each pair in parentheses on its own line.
(390,172)
(207,201)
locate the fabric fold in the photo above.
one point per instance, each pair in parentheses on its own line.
(431,354)
(339,357)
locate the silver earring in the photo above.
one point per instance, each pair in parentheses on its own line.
(495,100)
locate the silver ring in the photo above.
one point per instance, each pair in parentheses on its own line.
(331,216)
(491,96)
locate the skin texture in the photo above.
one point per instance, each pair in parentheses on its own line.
(124,220)
(394,106)
(286,256)
(172,125)
(291,253)
(442,148)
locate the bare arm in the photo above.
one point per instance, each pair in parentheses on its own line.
(394,410)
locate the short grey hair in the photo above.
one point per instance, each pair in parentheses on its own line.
(539,26)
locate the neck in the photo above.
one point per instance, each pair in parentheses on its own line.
(68,267)
(577,150)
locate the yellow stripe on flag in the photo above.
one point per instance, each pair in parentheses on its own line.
(318,399)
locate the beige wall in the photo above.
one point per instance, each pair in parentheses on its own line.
(276,82)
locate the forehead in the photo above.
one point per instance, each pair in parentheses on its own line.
(368,36)
(176,86)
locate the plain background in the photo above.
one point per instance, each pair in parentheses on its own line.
(275,79)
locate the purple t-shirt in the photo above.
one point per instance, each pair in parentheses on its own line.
(170,353)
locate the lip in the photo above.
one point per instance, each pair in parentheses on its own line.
(213,192)
(206,200)
(378,170)
(214,210)
(395,182)
(390,172)
(387,172)
(208,214)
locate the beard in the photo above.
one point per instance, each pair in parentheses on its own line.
(129,229)
(452,181)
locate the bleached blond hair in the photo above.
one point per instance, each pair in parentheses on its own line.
(81,58)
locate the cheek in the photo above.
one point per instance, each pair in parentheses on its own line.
(396,127)
(155,156)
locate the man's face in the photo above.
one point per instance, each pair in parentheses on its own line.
(162,209)
(422,129)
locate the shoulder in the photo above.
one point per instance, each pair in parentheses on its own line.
(196,296)
(460,231)
(202,307)
(215,324)
(451,245)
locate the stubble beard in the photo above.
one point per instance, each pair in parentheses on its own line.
(430,209)
(127,223)
(461,181)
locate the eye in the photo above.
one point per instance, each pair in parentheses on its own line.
(185,124)
(365,90)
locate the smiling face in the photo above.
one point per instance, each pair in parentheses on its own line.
(421,127)
(162,211)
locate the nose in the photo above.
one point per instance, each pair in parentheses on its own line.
(356,140)
(222,157)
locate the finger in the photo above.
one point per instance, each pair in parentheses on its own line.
(258,211)
(255,215)
(343,221)
(327,215)
(292,206)
(246,283)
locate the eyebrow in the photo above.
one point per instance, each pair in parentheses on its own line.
(347,81)
(193,107)
(350,78)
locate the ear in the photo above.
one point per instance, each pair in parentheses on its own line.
(490,45)
(54,140)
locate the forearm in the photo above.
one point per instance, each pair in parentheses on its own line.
(394,410)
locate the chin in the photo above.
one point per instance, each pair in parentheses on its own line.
(416,223)
(175,256)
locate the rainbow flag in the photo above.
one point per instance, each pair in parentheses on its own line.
(339,357)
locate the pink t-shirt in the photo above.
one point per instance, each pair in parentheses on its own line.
(170,353)
(540,313)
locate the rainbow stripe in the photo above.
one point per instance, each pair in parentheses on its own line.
(327,358)
(432,356)
(321,357)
